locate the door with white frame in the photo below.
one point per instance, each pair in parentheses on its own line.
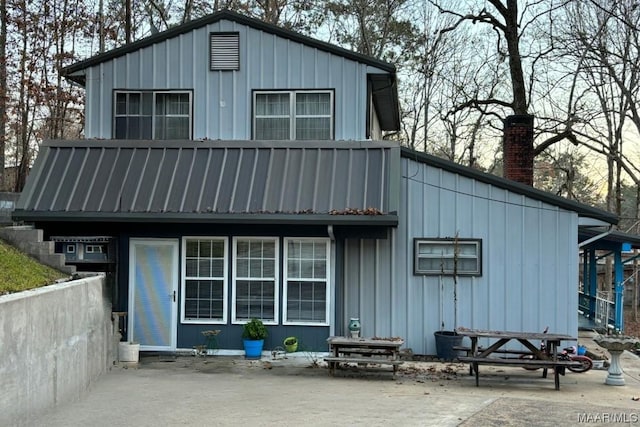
(153,293)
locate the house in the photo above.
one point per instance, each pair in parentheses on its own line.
(236,169)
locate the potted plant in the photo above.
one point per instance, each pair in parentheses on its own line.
(291,344)
(253,334)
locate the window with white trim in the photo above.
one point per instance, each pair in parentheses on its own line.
(289,115)
(204,280)
(94,249)
(255,281)
(447,257)
(152,115)
(306,283)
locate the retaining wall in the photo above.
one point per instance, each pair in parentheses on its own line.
(55,342)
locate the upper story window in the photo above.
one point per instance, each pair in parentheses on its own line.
(152,115)
(448,257)
(302,115)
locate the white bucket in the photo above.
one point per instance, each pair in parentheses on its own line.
(128,352)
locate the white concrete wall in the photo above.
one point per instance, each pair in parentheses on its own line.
(54,343)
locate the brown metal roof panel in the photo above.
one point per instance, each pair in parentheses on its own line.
(168,163)
(275,176)
(47,188)
(212,180)
(259,180)
(86,178)
(112,195)
(147,179)
(196,180)
(133,179)
(377,177)
(228,173)
(241,189)
(291,183)
(71,174)
(104,166)
(180,181)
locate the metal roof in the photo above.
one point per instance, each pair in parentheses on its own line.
(327,182)
(605,238)
(513,186)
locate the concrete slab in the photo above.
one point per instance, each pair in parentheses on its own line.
(232,391)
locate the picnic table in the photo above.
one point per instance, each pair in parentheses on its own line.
(498,354)
(364,351)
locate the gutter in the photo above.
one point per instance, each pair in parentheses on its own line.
(598,237)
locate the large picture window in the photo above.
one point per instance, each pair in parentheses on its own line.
(287,115)
(255,285)
(306,284)
(152,115)
(448,257)
(204,281)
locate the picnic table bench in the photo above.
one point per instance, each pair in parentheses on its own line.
(364,351)
(539,358)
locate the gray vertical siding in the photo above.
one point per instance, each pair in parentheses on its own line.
(530,262)
(222,99)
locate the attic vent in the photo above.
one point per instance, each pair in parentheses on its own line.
(224,51)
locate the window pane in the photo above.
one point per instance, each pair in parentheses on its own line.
(134,104)
(203,299)
(192,268)
(273,128)
(272,104)
(204,290)
(313,104)
(121,128)
(306,301)
(313,128)
(192,248)
(121,103)
(255,299)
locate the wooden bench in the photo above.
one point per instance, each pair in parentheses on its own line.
(333,361)
(557,365)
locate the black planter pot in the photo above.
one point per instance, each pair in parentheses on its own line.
(445,341)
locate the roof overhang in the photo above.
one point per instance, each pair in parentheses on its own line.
(346,183)
(605,238)
(384,93)
(387,220)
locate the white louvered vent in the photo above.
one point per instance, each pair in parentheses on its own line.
(224,53)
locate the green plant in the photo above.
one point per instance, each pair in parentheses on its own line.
(254,330)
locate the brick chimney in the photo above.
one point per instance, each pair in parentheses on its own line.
(517,146)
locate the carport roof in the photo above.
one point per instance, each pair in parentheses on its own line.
(242,182)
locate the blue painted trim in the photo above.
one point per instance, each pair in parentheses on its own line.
(593,282)
(619,290)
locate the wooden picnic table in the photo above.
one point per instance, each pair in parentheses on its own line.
(536,356)
(364,351)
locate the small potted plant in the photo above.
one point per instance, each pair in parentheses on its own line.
(291,344)
(253,334)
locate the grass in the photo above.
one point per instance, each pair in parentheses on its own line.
(19,272)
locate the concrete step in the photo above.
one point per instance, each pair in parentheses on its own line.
(40,248)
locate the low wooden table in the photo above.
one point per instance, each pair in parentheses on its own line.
(364,351)
(545,359)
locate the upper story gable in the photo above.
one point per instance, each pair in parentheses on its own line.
(229,77)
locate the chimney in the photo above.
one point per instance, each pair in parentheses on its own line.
(517,147)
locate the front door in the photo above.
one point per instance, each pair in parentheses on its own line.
(153,293)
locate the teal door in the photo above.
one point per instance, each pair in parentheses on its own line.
(153,293)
